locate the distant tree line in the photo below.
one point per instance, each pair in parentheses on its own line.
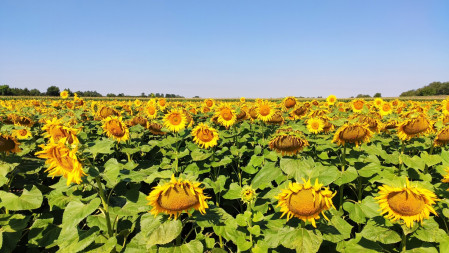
(432,89)
(5,90)
(151,95)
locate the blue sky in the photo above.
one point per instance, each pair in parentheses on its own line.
(225,48)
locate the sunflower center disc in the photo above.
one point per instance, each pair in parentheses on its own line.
(290,103)
(353,134)
(358,105)
(6,144)
(205,135)
(444,136)
(303,203)
(405,203)
(151,110)
(177,199)
(226,115)
(315,125)
(264,111)
(116,129)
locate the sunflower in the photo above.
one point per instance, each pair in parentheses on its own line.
(305,201)
(372,122)
(242,100)
(9,144)
(115,128)
(385,109)
(176,197)
(138,120)
(288,103)
(162,104)
(156,128)
(205,136)
(315,125)
(55,130)
(137,103)
(105,112)
(288,142)
(62,161)
(352,133)
(414,127)
(151,110)
(248,194)
(226,116)
(378,102)
(409,203)
(331,99)
(23,121)
(328,127)
(210,103)
(64,94)
(445,106)
(446,177)
(299,112)
(357,105)
(442,137)
(22,134)
(175,120)
(277,118)
(265,110)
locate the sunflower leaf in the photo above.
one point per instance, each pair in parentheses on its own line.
(304,240)
(380,234)
(28,200)
(191,247)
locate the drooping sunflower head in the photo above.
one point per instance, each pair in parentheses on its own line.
(156,128)
(375,125)
(21,134)
(305,201)
(265,110)
(356,133)
(205,136)
(23,121)
(56,130)
(62,161)
(442,137)
(315,125)
(106,111)
(277,118)
(176,197)
(288,142)
(299,112)
(409,203)
(248,194)
(414,127)
(331,99)
(138,120)
(115,128)
(9,144)
(175,120)
(226,116)
(64,94)
(357,105)
(289,102)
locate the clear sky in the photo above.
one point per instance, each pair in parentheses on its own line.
(227,48)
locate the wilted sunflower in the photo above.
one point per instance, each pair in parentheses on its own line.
(105,112)
(62,161)
(156,128)
(9,144)
(115,128)
(277,118)
(288,142)
(64,94)
(177,196)
(409,203)
(265,110)
(331,99)
(22,134)
(352,133)
(138,120)
(55,130)
(226,116)
(248,194)
(305,201)
(205,136)
(374,124)
(442,137)
(175,120)
(357,105)
(299,112)
(315,125)
(414,127)
(23,121)
(288,103)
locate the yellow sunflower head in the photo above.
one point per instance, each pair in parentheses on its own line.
(115,128)
(176,197)
(205,136)
(64,94)
(374,124)
(265,110)
(289,102)
(442,137)
(356,133)
(23,121)
(305,201)
(209,102)
(315,125)
(331,99)
(414,127)
(226,116)
(151,110)
(175,120)
(9,144)
(21,134)
(62,161)
(242,100)
(410,203)
(445,107)
(446,177)
(162,103)
(288,142)
(378,102)
(385,109)
(357,105)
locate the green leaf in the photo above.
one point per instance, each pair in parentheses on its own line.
(191,247)
(111,172)
(43,232)
(380,234)
(27,201)
(370,169)
(164,233)
(414,162)
(198,155)
(430,231)
(359,244)
(217,185)
(233,192)
(347,176)
(78,240)
(325,174)
(101,146)
(355,212)
(336,230)
(304,240)
(370,207)
(264,177)
(11,229)
(255,230)
(74,213)
(431,160)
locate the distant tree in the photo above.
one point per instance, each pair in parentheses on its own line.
(152,95)
(434,88)
(110,95)
(5,90)
(363,96)
(121,95)
(35,92)
(53,91)
(143,94)
(377,95)
(196,97)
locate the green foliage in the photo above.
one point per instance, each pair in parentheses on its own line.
(432,89)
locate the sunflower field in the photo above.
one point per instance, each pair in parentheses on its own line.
(215,176)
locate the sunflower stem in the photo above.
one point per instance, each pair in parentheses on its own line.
(404,242)
(400,157)
(105,206)
(343,162)
(426,168)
